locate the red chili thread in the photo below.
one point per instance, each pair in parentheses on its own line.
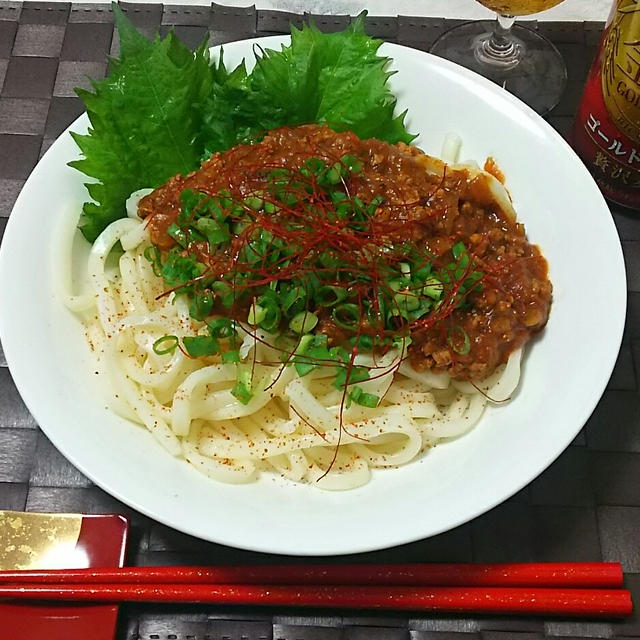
(310,228)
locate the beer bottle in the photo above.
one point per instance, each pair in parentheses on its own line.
(606,132)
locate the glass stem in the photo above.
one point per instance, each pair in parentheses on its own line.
(501,48)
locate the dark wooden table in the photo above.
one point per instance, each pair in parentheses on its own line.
(586,506)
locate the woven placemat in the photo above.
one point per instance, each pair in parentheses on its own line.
(586,506)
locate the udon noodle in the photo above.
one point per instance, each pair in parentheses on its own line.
(296,426)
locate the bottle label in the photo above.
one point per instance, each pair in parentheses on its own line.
(621,69)
(607,129)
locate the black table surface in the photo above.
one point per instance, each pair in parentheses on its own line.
(586,506)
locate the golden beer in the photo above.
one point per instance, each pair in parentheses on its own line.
(519,7)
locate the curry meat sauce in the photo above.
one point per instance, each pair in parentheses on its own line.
(447,205)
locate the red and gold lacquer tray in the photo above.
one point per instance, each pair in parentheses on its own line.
(39,541)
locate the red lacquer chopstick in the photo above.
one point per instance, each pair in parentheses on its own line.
(572,574)
(565,602)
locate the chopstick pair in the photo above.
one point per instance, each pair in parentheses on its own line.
(570,589)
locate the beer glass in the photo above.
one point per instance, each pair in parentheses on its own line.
(515,57)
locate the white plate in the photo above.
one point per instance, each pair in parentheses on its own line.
(565,370)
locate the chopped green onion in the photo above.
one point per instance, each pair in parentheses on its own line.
(346,316)
(304,343)
(179,269)
(201,305)
(221,328)
(374,204)
(153,255)
(460,255)
(357,374)
(370,400)
(256,314)
(225,292)
(458,249)
(351,163)
(166,344)
(338,354)
(364,399)
(198,346)
(402,343)
(319,347)
(362,342)
(304,368)
(466,343)
(343,209)
(303,322)
(272,316)
(213,231)
(406,300)
(177,234)
(328,296)
(397,283)
(242,388)
(433,288)
(231,356)
(195,204)
(214,210)
(473,281)
(333,176)
(355,393)
(238,227)
(458,272)
(312,166)
(423,308)
(312,351)
(294,301)
(358,205)
(224,198)
(190,199)
(278,173)
(303,363)
(254,203)
(422,273)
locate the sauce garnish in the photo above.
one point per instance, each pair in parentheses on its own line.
(423,204)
